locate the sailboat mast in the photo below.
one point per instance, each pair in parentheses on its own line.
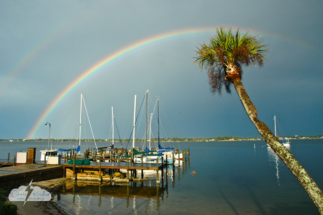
(112,126)
(134,124)
(80,120)
(146,117)
(158,119)
(51,144)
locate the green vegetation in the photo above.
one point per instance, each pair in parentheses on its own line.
(6,208)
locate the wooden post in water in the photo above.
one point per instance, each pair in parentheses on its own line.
(114,155)
(188,153)
(8,156)
(111,155)
(183,163)
(14,160)
(157,178)
(65,157)
(74,158)
(132,155)
(127,168)
(166,176)
(179,169)
(118,160)
(142,164)
(185,155)
(100,177)
(173,159)
(162,171)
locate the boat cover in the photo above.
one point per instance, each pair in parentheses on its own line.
(79,161)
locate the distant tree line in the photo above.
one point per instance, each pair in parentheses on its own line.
(174,139)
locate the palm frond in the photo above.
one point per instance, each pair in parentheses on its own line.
(226,48)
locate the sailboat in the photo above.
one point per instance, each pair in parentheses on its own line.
(284,141)
(148,157)
(60,152)
(167,152)
(44,154)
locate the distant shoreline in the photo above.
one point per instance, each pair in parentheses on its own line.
(175,139)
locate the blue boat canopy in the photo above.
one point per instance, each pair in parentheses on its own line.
(67,150)
(64,150)
(78,149)
(171,148)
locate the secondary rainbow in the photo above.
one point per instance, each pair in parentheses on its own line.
(120,53)
(44,43)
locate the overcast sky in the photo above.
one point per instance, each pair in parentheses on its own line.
(45,45)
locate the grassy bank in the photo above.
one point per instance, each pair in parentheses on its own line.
(6,208)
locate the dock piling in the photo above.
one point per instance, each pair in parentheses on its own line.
(100,177)
(8,156)
(142,163)
(183,155)
(157,178)
(162,170)
(183,166)
(188,153)
(173,159)
(162,161)
(74,167)
(14,160)
(127,168)
(179,170)
(132,155)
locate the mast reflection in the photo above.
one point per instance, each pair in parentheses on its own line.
(139,197)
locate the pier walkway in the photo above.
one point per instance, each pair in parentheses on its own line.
(22,174)
(13,174)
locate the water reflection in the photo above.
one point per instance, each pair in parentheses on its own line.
(273,158)
(85,197)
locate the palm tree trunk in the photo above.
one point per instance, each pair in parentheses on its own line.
(287,157)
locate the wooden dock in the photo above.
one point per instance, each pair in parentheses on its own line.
(17,173)
(13,174)
(22,174)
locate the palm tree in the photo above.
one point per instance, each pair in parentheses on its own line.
(224,58)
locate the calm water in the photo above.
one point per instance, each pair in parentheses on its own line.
(232,178)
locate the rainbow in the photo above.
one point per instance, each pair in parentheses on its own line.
(126,50)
